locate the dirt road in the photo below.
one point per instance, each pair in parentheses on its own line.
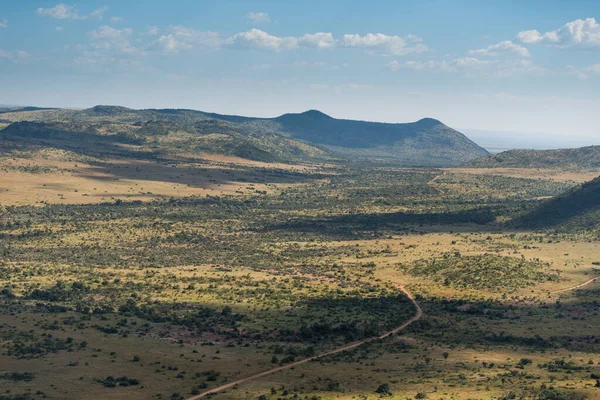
(328,353)
(431,183)
(578,286)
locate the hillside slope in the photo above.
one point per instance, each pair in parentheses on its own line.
(576,210)
(427,142)
(306,136)
(580,158)
(154,140)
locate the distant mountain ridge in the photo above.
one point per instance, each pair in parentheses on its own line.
(579,158)
(427,142)
(308,135)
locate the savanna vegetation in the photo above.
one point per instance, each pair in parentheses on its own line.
(147,273)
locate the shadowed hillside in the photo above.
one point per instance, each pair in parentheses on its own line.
(578,209)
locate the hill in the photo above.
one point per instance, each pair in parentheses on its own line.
(580,158)
(576,210)
(311,135)
(154,140)
(427,142)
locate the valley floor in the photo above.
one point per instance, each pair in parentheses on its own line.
(129,279)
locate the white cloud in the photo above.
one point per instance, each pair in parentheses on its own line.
(531,36)
(585,72)
(19,55)
(116,19)
(319,40)
(470,62)
(110,34)
(60,11)
(384,44)
(64,11)
(96,14)
(3,23)
(471,66)
(414,38)
(259,17)
(152,30)
(578,33)
(257,39)
(181,38)
(379,43)
(109,38)
(510,68)
(59,29)
(464,63)
(502,48)
(418,65)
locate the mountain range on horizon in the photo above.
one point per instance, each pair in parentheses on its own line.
(308,135)
(494,141)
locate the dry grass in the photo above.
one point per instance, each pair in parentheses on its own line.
(75,182)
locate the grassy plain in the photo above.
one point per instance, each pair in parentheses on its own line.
(185,275)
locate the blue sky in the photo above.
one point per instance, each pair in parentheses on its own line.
(527,66)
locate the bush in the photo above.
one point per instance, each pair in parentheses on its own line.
(384,389)
(112,382)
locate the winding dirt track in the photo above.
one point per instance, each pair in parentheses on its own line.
(431,183)
(328,353)
(578,286)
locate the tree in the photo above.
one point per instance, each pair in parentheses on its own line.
(384,389)
(445,355)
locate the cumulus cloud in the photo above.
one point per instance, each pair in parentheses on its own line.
(384,44)
(182,38)
(3,22)
(110,34)
(260,40)
(109,38)
(320,40)
(259,17)
(503,48)
(64,11)
(116,19)
(578,33)
(531,36)
(471,66)
(373,42)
